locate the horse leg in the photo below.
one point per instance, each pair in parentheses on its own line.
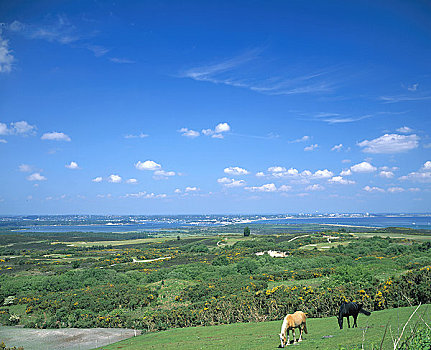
(300,333)
(288,338)
(348,321)
(354,321)
(293,335)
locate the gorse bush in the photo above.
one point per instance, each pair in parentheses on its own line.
(202,284)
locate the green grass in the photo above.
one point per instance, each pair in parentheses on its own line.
(312,282)
(323,245)
(265,335)
(398,235)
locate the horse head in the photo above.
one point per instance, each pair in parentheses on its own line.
(340,321)
(282,339)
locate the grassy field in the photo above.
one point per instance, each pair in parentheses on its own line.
(124,242)
(392,235)
(324,333)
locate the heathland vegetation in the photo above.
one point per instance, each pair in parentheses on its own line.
(209,277)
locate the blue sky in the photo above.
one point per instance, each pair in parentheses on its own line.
(164,107)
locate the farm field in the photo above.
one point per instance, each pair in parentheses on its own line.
(324,333)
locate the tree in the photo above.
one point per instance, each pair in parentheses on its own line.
(246,231)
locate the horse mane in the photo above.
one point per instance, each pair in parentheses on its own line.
(284,325)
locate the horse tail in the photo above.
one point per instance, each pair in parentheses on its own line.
(365,312)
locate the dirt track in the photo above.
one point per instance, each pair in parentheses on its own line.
(63,339)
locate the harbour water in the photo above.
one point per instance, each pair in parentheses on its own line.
(109,224)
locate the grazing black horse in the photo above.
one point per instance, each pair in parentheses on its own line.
(350,309)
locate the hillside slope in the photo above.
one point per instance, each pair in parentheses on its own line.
(323,334)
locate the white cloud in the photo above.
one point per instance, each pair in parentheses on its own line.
(132,136)
(284,188)
(36,177)
(60,31)
(337,147)
(386,174)
(231,182)
(23,128)
(292,171)
(55,136)
(423,175)
(72,165)
(3,141)
(363,167)
(222,127)
(132,181)
(414,189)
(390,143)
(147,165)
(347,172)
(305,175)
(207,132)
(6,57)
(217,132)
(405,130)
(340,180)
(344,161)
(156,196)
(413,87)
(189,133)
(417,176)
(217,136)
(315,187)
(163,173)
(336,118)
(386,168)
(25,168)
(373,189)
(427,145)
(121,60)
(395,189)
(322,174)
(97,179)
(236,183)
(224,180)
(145,195)
(228,73)
(236,171)
(264,188)
(403,98)
(3,129)
(302,139)
(177,190)
(191,189)
(260,174)
(311,147)
(114,178)
(276,169)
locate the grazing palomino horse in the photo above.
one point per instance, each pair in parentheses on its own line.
(290,322)
(350,309)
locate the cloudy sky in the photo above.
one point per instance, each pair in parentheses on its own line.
(165,107)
